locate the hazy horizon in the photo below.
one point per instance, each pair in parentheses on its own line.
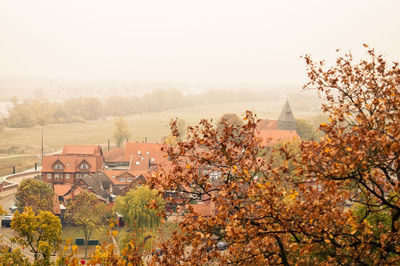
(215,43)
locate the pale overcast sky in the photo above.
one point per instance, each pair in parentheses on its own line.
(187,41)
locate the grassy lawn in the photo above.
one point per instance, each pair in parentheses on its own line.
(70,232)
(164,232)
(152,126)
(20,163)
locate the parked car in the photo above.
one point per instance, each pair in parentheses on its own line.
(6,221)
(13,208)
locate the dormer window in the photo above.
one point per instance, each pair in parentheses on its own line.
(58,166)
(84,166)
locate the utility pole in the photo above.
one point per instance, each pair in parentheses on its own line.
(42,146)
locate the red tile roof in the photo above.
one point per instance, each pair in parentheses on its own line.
(266,124)
(81,150)
(146,149)
(140,155)
(76,190)
(204,209)
(271,137)
(71,163)
(115,155)
(60,190)
(114,174)
(56,205)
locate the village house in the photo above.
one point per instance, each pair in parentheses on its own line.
(123,179)
(73,163)
(98,184)
(137,156)
(281,130)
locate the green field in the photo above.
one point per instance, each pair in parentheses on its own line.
(152,126)
(20,163)
(70,232)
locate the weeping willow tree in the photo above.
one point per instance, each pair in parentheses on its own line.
(141,209)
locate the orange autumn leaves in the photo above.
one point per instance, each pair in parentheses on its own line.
(334,201)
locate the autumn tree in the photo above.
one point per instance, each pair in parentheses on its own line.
(335,201)
(142,209)
(87,213)
(10,256)
(121,131)
(358,157)
(180,125)
(36,194)
(20,116)
(228,119)
(41,233)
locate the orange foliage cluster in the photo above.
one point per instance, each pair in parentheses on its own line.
(304,210)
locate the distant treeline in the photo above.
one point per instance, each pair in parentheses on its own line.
(43,111)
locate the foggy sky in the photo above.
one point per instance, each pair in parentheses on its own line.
(188,41)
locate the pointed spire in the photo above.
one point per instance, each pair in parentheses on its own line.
(286,119)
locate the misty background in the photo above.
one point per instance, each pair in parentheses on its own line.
(68,68)
(131,57)
(123,46)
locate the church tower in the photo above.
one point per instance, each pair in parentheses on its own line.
(286,119)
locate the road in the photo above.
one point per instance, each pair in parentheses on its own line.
(7,198)
(33,154)
(6,235)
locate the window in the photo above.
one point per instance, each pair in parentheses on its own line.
(67,176)
(67,164)
(122,179)
(139,152)
(113,176)
(137,162)
(57,176)
(58,166)
(48,176)
(85,166)
(147,153)
(214,175)
(129,179)
(77,175)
